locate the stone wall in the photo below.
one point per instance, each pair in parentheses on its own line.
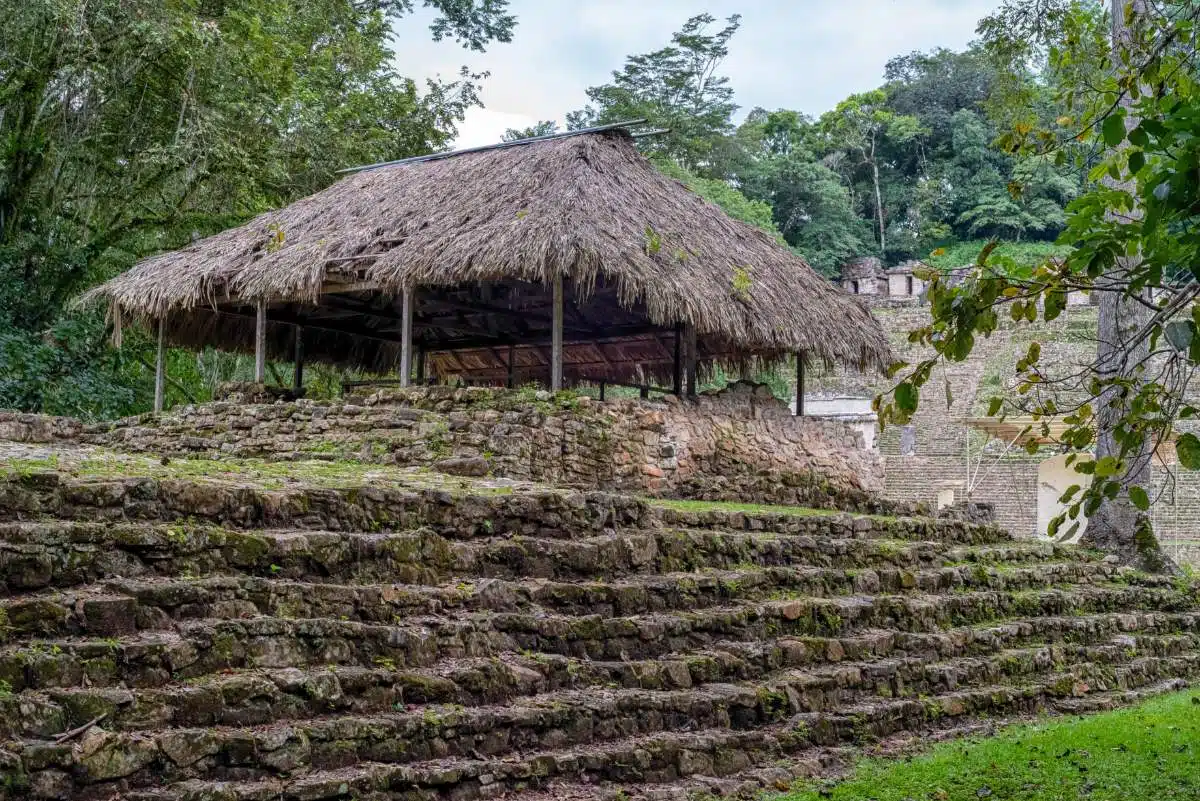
(740,444)
(930,457)
(25,427)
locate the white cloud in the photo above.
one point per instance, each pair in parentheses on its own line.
(484,126)
(800,54)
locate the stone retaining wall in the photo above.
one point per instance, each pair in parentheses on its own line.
(741,443)
(26,427)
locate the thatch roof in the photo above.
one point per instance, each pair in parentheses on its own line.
(587,207)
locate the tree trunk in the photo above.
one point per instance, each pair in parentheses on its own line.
(1118,526)
(878,198)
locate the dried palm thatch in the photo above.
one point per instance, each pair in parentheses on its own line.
(587,207)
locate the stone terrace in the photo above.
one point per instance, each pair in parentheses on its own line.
(739,443)
(312,630)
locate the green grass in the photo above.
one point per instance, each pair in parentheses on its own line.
(342,474)
(748,508)
(961,254)
(1151,751)
(755,508)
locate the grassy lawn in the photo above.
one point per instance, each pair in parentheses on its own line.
(1150,751)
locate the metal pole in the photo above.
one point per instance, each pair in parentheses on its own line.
(556,338)
(298,359)
(160,369)
(406,332)
(800,359)
(260,343)
(690,335)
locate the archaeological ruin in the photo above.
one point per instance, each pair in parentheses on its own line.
(949,454)
(491,578)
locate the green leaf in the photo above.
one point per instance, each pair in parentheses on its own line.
(906,397)
(1187,447)
(1056,301)
(1180,333)
(1107,466)
(1137,160)
(1153,127)
(1113,129)
(1139,498)
(994,406)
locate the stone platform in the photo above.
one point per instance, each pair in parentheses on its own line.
(236,629)
(738,444)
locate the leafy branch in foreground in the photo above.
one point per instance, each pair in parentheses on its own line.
(1136,243)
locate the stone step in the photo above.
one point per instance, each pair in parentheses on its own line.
(658,758)
(122,606)
(471,510)
(257,697)
(474,510)
(779,775)
(574,719)
(651,635)
(830,523)
(35,555)
(201,648)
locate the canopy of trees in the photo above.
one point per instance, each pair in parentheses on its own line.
(129,127)
(898,171)
(133,126)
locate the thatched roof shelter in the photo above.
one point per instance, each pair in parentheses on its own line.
(472,245)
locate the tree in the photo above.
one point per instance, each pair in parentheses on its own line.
(542,128)
(724,196)
(1121,350)
(935,86)
(1140,107)
(676,87)
(856,130)
(131,126)
(810,204)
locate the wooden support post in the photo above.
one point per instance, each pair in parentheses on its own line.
(512,367)
(677,383)
(421,365)
(406,332)
(692,356)
(160,369)
(602,385)
(644,391)
(556,338)
(298,359)
(800,359)
(260,343)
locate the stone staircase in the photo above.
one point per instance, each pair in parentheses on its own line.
(232,640)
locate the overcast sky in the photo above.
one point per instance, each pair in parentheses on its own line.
(798,54)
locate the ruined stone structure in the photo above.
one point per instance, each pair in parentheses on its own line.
(866,276)
(738,444)
(928,460)
(186,623)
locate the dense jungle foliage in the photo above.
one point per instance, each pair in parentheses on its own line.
(128,127)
